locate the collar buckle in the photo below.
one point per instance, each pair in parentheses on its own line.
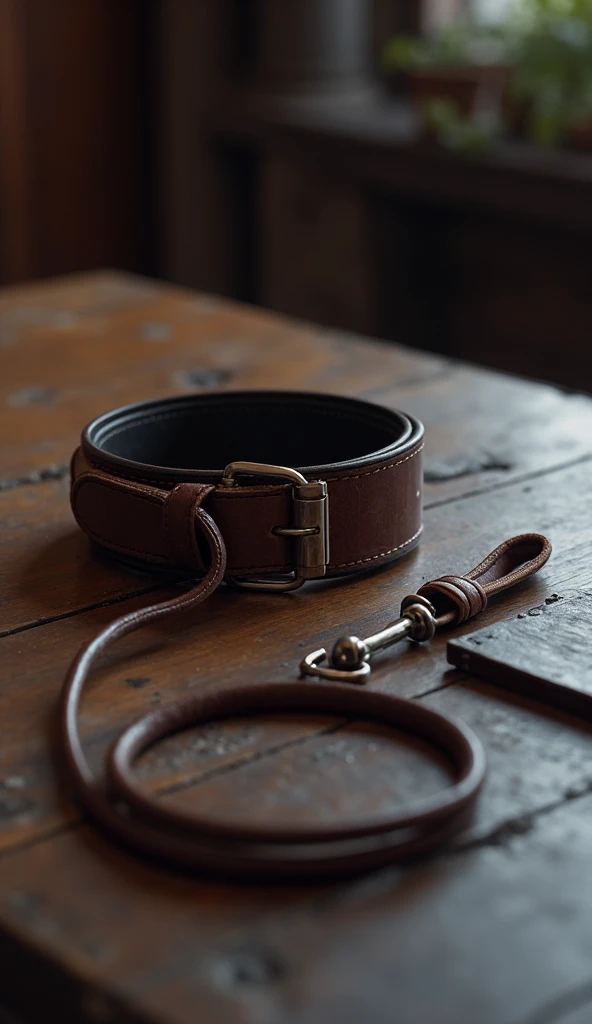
(309,529)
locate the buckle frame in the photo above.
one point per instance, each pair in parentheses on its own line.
(309,529)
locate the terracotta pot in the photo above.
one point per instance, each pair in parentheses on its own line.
(464,86)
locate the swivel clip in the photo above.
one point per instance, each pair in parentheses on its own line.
(350,657)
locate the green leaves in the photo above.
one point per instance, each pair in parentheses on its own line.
(554,71)
(460,44)
(548,43)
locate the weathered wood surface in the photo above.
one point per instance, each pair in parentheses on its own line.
(267,636)
(72,352)
(499,926)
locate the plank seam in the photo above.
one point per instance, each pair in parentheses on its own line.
(500,835)
(118,599)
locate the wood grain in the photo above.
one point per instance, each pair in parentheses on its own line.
(332,954)
(47,568)
(501,924)
(66,367)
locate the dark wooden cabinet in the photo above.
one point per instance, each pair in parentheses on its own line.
(310,190)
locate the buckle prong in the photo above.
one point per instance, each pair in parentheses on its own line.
(295,531)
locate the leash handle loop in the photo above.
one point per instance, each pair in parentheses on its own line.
(448,600)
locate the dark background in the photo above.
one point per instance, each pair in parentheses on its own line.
(247,147)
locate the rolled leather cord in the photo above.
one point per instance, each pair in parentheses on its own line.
(197,841)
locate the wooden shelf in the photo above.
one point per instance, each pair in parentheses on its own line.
(377,140)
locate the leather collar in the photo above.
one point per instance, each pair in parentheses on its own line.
(127,477)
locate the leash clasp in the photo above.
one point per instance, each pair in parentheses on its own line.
(309,529)
(350,656)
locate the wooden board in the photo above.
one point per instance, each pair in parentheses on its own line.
(479,924)
(545,653)
(107,937)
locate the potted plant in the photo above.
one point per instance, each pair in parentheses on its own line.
(530,73)
(465,63)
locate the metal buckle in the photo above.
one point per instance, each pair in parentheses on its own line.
(309,529)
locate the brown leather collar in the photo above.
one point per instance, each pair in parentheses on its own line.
(365,512)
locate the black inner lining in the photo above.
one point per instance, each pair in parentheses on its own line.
(283,431)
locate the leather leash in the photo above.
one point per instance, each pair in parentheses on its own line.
(197,841)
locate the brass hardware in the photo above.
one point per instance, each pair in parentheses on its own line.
(260,469)
(350,656)
(309,530)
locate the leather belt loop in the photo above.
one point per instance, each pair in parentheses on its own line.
(457,598)
(179,510)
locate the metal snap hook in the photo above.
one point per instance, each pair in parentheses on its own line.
(350,656)
(312,665)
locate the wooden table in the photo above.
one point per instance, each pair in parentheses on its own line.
(497,930)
